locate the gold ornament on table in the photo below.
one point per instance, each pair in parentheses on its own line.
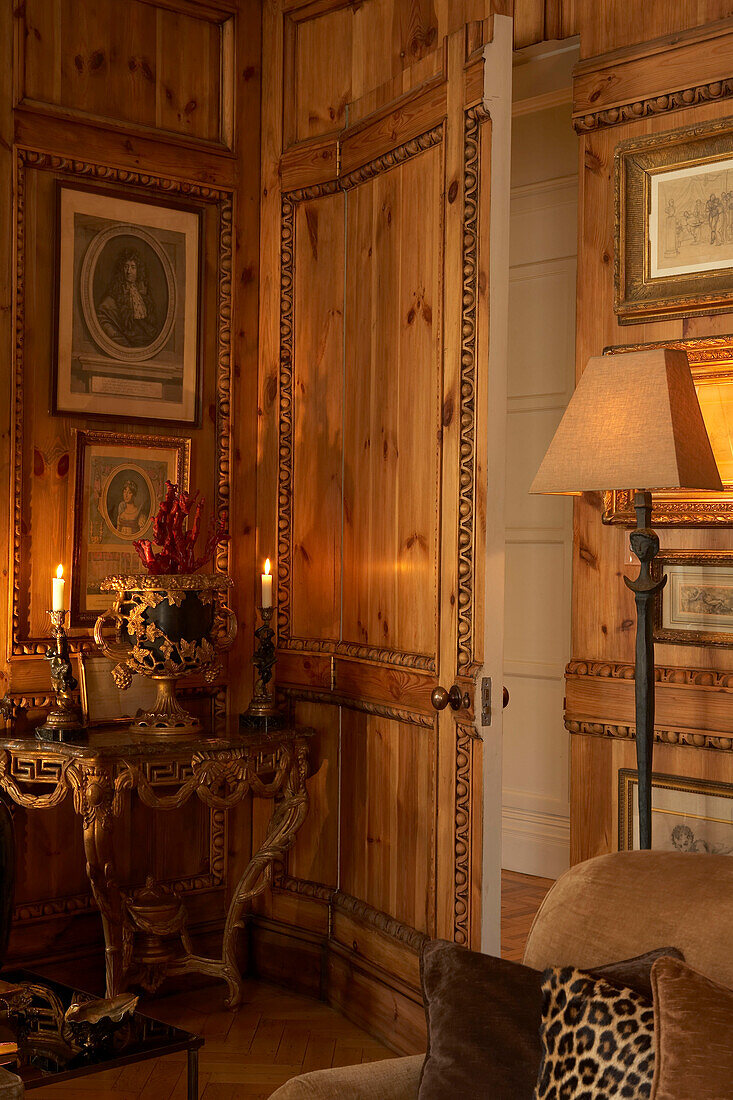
(64,721)
(170,622)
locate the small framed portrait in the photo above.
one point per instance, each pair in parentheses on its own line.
(128,305)
(688,815)
(119,483)
(674,223)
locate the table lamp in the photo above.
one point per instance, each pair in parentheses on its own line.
(634,421)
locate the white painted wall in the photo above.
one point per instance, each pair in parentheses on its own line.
(543,247)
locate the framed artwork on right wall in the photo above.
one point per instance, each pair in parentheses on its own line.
(674,223)
(688,815)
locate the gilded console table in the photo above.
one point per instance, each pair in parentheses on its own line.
(221,770)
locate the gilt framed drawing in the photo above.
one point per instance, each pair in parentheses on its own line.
(128,303)
(688,815)
(119,482)
(674,223)
(696,605)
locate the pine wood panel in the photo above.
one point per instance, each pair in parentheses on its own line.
(387,838)
(315,856)
(136,63)
(392,388)
(318,415)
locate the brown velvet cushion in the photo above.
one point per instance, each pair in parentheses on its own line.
(693,1029)
(484,1017)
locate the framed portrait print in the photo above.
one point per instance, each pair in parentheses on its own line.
(127,342)
(696,605)
(688,815)
(674,223)
(119,483)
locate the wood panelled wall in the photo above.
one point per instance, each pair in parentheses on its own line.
(655,60)
(161,101)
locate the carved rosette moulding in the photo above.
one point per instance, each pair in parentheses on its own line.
(156,187)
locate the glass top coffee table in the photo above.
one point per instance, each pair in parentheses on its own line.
(51,1049)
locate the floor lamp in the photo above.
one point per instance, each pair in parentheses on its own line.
(634,420)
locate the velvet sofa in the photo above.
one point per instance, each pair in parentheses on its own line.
(612,907)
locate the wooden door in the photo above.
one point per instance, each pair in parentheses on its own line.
(374,383)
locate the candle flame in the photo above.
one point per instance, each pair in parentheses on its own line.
(267,567)
(59,571)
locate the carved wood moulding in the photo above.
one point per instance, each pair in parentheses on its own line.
(689,738)
(396,714)
(711,683)
(353,907)
(467,471)
(655,105)
(465,738)
(155,186)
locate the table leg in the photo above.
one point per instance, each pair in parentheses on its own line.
(284,824)
(98,816)
(193,1075)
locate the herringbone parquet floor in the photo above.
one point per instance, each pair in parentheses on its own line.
(273,1036)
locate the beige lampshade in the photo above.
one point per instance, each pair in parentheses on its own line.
(634,422)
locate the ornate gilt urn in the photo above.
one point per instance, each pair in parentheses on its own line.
(167,627)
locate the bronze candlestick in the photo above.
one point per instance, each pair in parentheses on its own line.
(63,721)
(262,712)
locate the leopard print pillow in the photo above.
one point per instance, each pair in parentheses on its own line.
(597,1040)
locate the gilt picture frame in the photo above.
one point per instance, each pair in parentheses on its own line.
(711,363)
(128,304)
(695,607)
(119,481)
(688,814)
(674,223)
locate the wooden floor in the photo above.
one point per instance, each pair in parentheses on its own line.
(521,897)
(273,1036)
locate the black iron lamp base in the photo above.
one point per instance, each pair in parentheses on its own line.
(645,545)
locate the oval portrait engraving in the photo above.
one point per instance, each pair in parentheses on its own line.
(128,293)
(126,502)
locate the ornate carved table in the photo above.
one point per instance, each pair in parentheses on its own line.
(219,769)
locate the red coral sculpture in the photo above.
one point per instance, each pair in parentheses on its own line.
(171,531)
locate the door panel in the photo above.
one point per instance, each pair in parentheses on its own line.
(380,414)
(387,819)
(392,397)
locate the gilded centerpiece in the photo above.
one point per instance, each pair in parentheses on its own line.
(171,622)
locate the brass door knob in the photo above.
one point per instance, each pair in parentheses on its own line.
(440,698)
(505,697)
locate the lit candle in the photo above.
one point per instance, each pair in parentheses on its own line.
(267,586)
(57,603)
